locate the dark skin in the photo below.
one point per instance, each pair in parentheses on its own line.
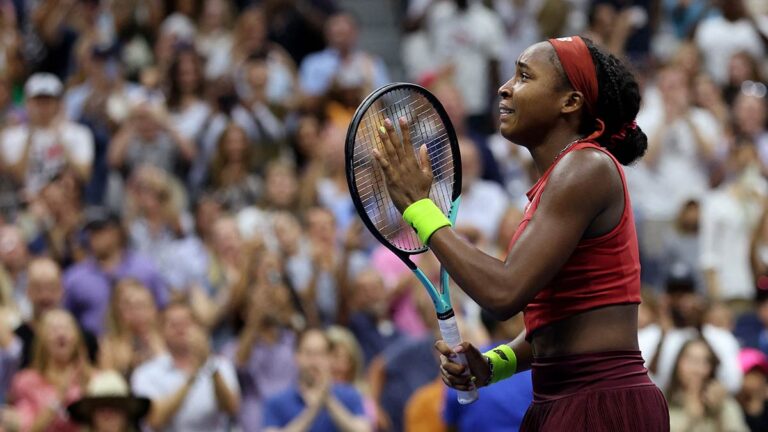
(584,198)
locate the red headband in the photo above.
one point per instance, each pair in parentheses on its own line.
(579,67)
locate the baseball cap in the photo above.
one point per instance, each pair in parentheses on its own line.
(750,358)
(43,84)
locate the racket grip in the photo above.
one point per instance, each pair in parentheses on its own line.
(450,333)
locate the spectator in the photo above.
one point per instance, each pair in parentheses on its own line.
(159,228)
(721,36)
(750,114)
(148,137)
(56,377)
(731,212)
(263,351)
(320,69)
(483,218)
(108,406)
(232,176)
(189,113)
(348,367)
(88,284)
(752,327)
(697,401)
(681,319)
(681,139)
(190,389)
(14,258)
(36,151)
(743,71)
(54,218)
(500,407)
(682,246)
(315,402)
(753,396)
(213,33)
(45,293)
(132,335)
(370,316)
(467,38)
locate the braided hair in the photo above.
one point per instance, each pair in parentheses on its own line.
(618,102)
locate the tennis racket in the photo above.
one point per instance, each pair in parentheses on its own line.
(429,125)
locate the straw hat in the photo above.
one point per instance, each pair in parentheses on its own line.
(108,389)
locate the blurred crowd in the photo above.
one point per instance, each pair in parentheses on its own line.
(179,252)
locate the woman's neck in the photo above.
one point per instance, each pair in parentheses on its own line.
(545,153)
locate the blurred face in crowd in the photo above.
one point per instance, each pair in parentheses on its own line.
(60,336)
(137,307)
(13,249)
(251,30)
(341,32)
(688,58)
(321,225)
(208,211)
(306,137)
(234,144)
(687,309)
(313,356)
(688,220)
(282,185)
(755,382)
(188,73)
(371,293)
(603,19)
(673,86)
(257,74)
(342,363)
(226,237)
(44,285)
(750,113)
(706,91)
(108,419)
(42,110)
(216,14)
(695,365)
(105,241)
(741,68)
(178,328)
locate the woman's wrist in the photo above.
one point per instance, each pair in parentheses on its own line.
(425,217)
(502,363)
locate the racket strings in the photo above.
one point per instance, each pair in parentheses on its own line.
(426,128)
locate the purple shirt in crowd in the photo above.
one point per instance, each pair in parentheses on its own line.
(88,288)
(270,370)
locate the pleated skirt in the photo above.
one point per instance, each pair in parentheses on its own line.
(596,392)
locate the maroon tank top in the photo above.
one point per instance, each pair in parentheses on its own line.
(601,271)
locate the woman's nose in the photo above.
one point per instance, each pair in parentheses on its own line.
(504,91)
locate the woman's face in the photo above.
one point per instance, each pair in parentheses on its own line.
(138,309)
(532,99)
(235,145)
(341,364)
(695,365)
(106,419)
(281,186)
(60,336)
(307,136)
(187,73)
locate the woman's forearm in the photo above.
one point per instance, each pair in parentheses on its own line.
(484,278)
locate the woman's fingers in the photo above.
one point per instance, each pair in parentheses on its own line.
(453,374)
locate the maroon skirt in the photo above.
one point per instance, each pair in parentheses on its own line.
(596,392)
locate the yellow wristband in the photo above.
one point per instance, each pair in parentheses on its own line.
(425,217)
(503,362)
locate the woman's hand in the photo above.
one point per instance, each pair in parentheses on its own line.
(455,375)
(407,180)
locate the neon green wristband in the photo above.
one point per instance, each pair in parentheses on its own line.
(503,362)
(425,217)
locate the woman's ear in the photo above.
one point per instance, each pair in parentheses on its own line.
(572,102)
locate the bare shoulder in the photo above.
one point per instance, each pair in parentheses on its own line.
(586,179)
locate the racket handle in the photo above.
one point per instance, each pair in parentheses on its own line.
(450,332)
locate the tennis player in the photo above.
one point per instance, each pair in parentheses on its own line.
(573,264)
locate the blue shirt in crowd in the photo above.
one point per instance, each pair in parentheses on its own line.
(281,409)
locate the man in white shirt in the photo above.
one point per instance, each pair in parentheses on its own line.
(191,390)
(720,37)
(34,152)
